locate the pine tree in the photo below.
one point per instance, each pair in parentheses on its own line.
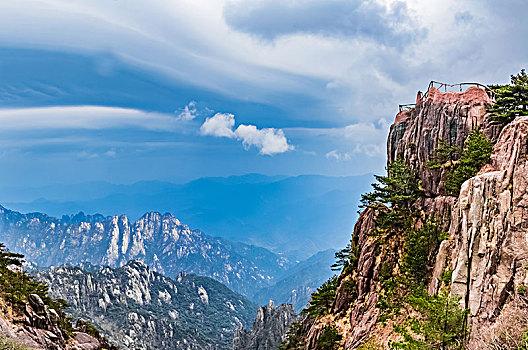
(511,100)
(323,298)
(329,339)
(444,156)
(399,189)
(345,257)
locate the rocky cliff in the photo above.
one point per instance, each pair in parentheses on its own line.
(269,329)
(37,328)
(486,250)
(137,308)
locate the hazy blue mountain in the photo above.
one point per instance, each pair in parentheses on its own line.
(167,246)
(159,240)
(303,214)
(299,282)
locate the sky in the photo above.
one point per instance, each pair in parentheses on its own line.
(129,90)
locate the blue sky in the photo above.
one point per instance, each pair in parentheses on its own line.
(128,90)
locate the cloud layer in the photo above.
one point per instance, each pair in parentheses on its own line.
(269,141)
(269,19)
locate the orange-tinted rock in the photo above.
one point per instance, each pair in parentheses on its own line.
(448,116)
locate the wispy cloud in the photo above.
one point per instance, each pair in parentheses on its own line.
(84,117)
(269,141)
(188,112)
(334,154)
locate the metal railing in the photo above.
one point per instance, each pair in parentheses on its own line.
(448,87)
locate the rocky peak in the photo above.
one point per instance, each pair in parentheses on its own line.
(448,116)
(269,329)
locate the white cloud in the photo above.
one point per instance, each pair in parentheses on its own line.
(269,141)
(334,154)
(220,124)
(84,117)
(188,112)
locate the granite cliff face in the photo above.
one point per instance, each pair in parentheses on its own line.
(487,248)
(269,329)
(37,328)
(137,308)
(161,241)
(448,116)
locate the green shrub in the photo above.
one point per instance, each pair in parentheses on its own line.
(444,156)
(11,344)
(521,290)
(329,339)
(370,344)
(442,324)
(447,276)
(476,153)
(421,246)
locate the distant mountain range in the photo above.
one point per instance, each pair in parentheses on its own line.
(165,244)
(137,308)
(300,215)
(299,282)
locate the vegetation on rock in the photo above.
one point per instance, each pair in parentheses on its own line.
(511,100)
(11,344)
(476,153)
(329,339)
(441,323)
(17,286)
(323,298)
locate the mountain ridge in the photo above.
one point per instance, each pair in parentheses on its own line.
(163,242)
(235,208)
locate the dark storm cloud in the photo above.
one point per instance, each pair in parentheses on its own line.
(269,19)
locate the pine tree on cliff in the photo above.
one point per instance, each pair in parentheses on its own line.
(511,100)
(322,299)
(397,191)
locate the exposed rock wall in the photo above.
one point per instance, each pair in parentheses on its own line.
(269,329)
(488,246)
(487,249)
(446,116)
(38,329)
